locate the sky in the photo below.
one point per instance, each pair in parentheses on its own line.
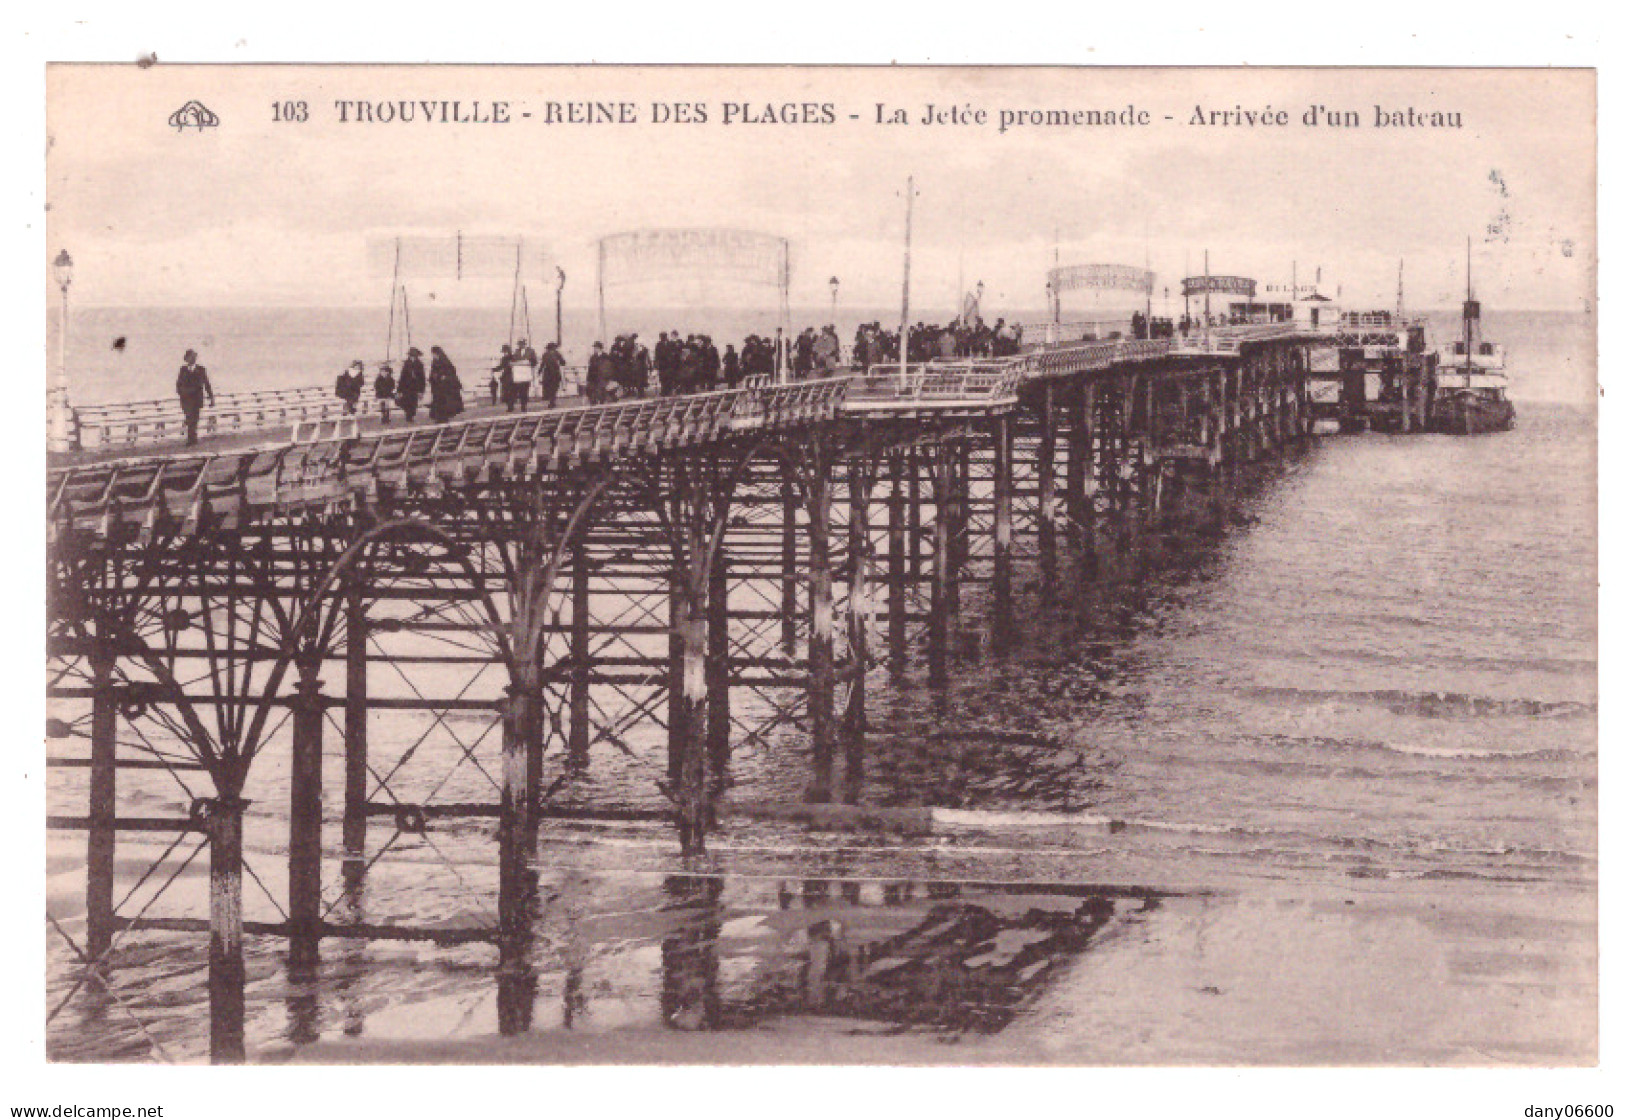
(260,211)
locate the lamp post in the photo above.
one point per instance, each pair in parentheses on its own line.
(558,309)
(834,293)
(59,436)
(980,288)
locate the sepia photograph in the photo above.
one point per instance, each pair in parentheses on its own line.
(791,565)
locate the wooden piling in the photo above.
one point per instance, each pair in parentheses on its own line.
(1080,470)
(821,644)
(956,511)
(227,976)
(855,721)
(516,826)
(305,823)
(580,656)
(677,612)
(916,530)
(1003,526)
(787,558)
(693,793)
(719,715)
(102,836)
(937,633)
(896,569)
(1046,485)
(355,725)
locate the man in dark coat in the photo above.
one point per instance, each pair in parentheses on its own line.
(191,384)
(412,384)
(552,373)
(638,367)
(600,371)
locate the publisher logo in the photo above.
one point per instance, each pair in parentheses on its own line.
(194,114)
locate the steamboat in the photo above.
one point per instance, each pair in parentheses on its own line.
(1471,396)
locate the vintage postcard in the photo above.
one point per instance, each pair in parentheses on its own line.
(847,565)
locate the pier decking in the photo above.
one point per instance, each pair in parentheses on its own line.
(716,572)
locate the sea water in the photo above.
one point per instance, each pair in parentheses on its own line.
(1320,790)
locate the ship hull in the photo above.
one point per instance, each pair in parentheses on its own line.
(1465,414)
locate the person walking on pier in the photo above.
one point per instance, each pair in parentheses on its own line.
(638,369)
(600,372)
(552,373)
(383,387)
(505,379)
(445,390)
(191,385)
(348,386)
(412,384)
(524,372)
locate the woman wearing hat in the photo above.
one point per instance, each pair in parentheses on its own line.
(445,388)
(409,390)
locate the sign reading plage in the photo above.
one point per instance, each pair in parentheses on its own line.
(1228,285)
(1121,277)
(659,254)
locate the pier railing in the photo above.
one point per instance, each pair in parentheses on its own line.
(977,382)
(1082,357)
(136,423)
(130,424)
(105,496)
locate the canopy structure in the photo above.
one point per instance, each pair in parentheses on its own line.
(684,256)
(1099,278)
(455,257)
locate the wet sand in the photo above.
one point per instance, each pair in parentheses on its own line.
(1379,975)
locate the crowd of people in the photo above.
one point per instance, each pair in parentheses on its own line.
(628,369)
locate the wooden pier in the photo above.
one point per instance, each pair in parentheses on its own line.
(717,573)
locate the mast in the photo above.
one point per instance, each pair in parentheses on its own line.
(513,301)
(394,298)
(1466,314)
(908,250)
